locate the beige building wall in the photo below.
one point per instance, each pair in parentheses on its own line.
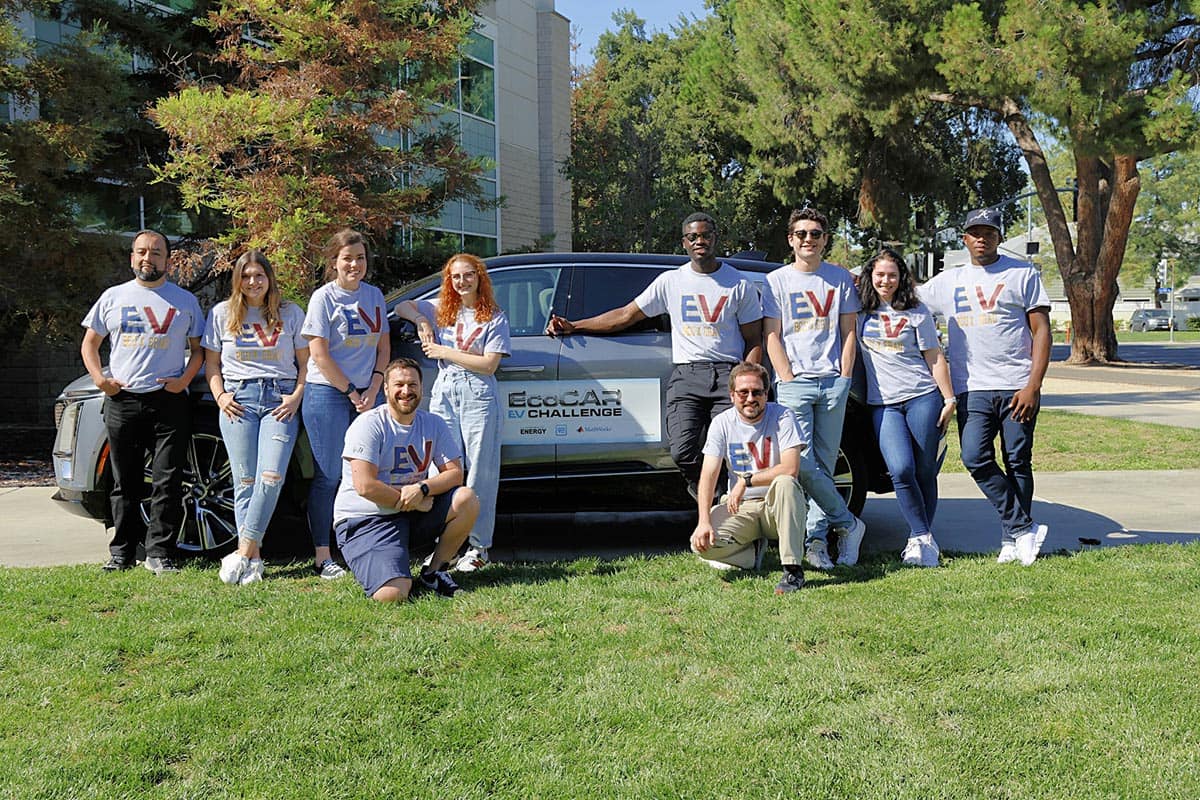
(533,118)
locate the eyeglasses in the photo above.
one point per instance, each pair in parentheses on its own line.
(744,393)
(707,236)
(802,234)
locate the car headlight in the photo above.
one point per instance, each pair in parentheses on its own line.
(64,441)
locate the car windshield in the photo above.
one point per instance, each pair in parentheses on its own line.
(1156,313)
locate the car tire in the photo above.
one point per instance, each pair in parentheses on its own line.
(208,526)
(850,477)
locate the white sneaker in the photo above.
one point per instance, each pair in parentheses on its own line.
(817,554)
(1008,550)
(233,567)
(474,559)
(849,543)
(1029,544)
(253,573)
(930,552)
(717,565)
(911,554)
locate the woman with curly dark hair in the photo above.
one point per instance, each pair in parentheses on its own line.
(467,332)
(909,392)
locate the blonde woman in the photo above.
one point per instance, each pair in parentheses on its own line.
(256,363)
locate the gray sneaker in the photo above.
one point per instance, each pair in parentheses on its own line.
(849,543)
(329,570)
(817,554)
(160,565)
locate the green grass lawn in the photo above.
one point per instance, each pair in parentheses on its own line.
(639,678)
(1067,442)
(1135,337)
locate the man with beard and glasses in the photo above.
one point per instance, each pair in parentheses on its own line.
(761,445)
(716,321)
(151,325)
(388,505)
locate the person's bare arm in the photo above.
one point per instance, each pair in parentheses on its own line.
(702,536)
(90,350)
(615,319)
(776,351)
(752,335)
(1028,399)
(847,323)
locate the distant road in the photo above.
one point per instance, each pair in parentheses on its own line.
(1187,354)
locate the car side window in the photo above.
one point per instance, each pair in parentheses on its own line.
(527,295)
(595,290)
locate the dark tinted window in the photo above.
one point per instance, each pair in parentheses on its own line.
(596,290)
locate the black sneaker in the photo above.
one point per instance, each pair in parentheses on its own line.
(438,581)
(790,582)
(160,565)
(118,563)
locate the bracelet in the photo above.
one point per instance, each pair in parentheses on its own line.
(951,401)
(222,394)
(377,372)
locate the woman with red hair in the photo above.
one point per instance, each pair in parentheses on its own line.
(467,333)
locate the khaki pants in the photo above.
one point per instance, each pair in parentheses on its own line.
(780,514)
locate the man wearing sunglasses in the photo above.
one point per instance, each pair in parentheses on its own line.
(761,446)
(998,325)
(716,321)
(810,312)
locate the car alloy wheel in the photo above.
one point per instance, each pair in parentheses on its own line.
(207,488)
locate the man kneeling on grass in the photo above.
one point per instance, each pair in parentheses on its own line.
(761,445)
(387,503)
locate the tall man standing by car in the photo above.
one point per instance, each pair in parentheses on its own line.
(151,324)
(388,503)
(810,313)
(716,322)
(998,323)
(760,444)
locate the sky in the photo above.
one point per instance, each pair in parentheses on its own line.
(590,18)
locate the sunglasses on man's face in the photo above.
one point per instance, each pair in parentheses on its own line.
(814,233)
(744,393)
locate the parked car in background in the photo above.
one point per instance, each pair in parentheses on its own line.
(1152,319)
(584,415)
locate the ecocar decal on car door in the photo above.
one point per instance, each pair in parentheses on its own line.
(582,411)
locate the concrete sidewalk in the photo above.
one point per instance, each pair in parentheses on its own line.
(1164,396)
(1108,508)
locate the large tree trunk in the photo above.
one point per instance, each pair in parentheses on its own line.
(1104,208)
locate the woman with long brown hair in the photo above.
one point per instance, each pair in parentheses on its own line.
(467,332)
(256,362)
(347,331)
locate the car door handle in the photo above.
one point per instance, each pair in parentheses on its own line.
(530,370)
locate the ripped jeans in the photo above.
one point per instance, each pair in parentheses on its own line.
(259,447)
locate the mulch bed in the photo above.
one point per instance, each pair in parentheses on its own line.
(25,456)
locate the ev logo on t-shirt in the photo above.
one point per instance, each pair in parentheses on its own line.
(373,323)
(134,322)
(410,465)
(806,305)
(256,336)
(745,456)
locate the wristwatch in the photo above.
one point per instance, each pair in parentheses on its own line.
(424,489)
(747,477)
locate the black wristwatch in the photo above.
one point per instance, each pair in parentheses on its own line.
(349,390)
(747,477)
(424,489)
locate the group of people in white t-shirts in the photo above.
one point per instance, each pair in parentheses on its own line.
(270,364)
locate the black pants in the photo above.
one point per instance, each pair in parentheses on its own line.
(696,393)
(161,423)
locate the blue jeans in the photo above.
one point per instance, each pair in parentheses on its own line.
(259,447)
(908,439)
(981,415)
(820,408)
(327,415)
(468,403)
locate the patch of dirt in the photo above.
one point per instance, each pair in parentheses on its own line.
(25,456)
